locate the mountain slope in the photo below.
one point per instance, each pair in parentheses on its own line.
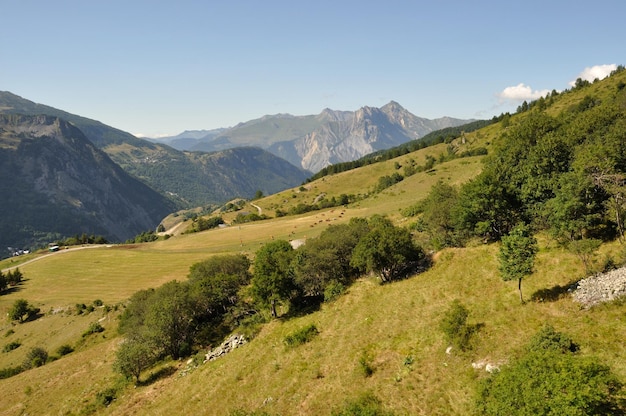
(182,176)
(394,329)
(60,184)
(314,142)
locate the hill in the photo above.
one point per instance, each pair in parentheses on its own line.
(315,141)
(376,343)
(57,184)
(188,178)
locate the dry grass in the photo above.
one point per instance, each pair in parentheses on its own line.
(395,326)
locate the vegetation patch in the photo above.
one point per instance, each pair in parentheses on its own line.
(301,336)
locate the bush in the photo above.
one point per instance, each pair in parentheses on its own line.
(64,350)
(333,290)
(454,325)
(302,336)
(11,346)
(36,357)
(549,379)
(10,372)
(94,328)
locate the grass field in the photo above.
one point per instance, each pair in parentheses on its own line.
(393,328)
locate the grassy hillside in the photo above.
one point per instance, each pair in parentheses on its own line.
(392,329)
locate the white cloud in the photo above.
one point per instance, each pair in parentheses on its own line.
(597,71)
(520,92)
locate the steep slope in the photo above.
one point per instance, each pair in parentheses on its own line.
(183,177)
(57,183)
(314,142)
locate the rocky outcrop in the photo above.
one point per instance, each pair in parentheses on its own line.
(601,288)
(234,341)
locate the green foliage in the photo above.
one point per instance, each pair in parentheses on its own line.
(517,255)
(438,216)
(145,237)
(386,250)
(94,328)
(551,380)
(133,356)
(585,249)
(333,290)
(202,224)
(366,405)
(64,350)
(386,181)
(325,260)
(10,371)
(22,311)
(547,339)
(36,357)
(242,218)
(454,325)
(301,336)
(11,346)
(273,281)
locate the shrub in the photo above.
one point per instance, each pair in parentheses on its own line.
(549,379)
(333,290)
(10,372)
(302,336)
(94,328)
(454,325)
(36,357)
(98,302)
(11,346)
(64,350)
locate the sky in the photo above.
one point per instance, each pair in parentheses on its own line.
(157,68)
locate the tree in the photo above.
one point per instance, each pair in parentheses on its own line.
(14,277)
(325,260)
(3,282)
(386,250)
(551,379)
(36,357)
(20,309)
(134,356)
(437,214)
(170,318)
(517,255)
(273,281)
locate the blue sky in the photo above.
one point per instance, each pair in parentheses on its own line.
(158,68)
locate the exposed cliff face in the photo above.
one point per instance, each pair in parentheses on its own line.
(346,136)
(313,142)
(58,183)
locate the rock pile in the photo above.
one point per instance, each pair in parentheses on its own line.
(601,288)
(235,341)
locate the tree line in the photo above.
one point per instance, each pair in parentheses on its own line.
(222,293)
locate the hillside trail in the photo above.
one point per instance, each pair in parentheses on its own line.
(258,208)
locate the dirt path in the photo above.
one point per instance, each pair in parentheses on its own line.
(258,208)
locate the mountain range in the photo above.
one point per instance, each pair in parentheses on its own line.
(313,142)
(68,174)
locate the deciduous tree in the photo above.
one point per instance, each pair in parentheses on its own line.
(517,255)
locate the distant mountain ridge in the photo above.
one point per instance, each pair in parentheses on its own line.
(188,178)
(315,141)
(58,184)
